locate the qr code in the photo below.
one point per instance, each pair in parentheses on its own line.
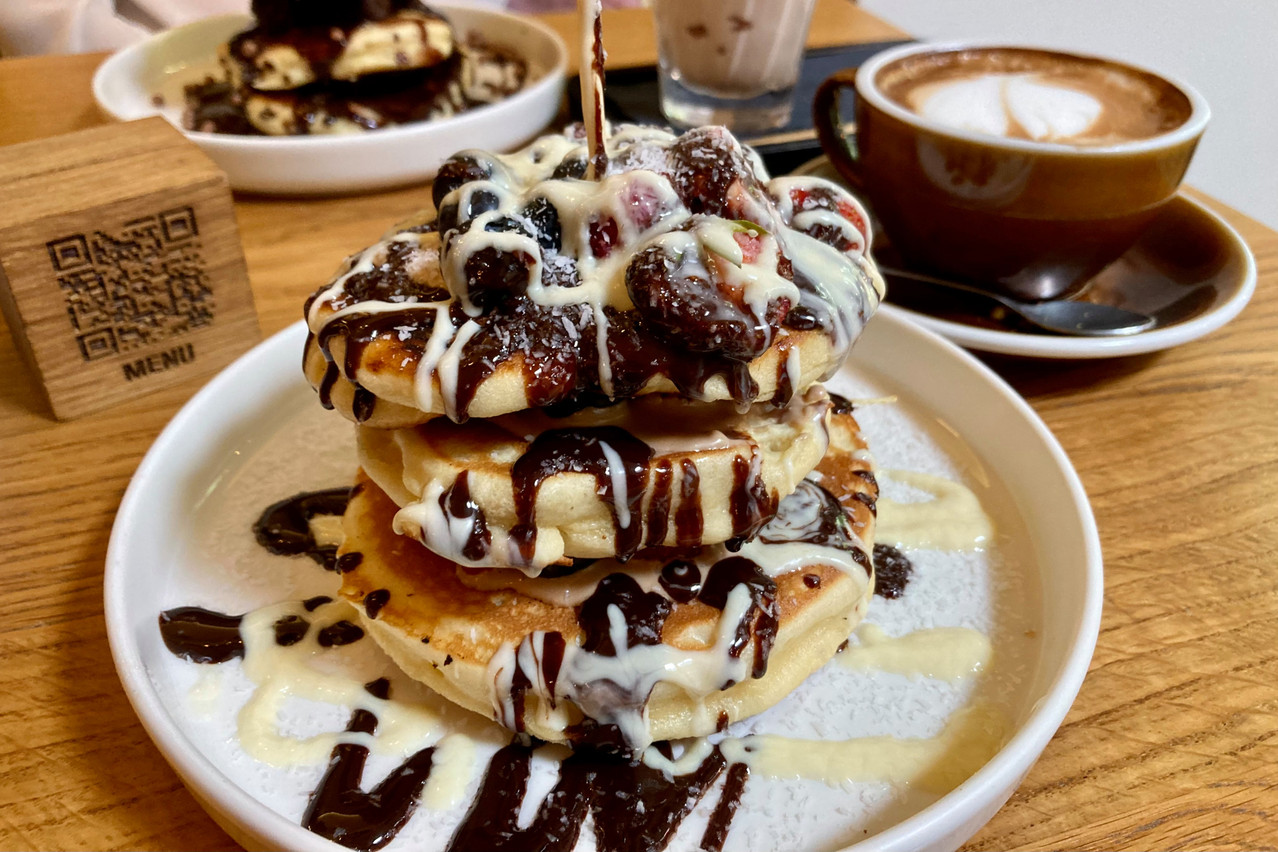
(140,285)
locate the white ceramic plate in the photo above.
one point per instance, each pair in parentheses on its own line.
(1190,270)
(150,555)
(126,84)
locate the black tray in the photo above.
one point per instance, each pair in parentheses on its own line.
(630,96)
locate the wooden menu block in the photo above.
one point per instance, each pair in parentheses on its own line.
(120,263)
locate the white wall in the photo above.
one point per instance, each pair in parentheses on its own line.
(1227,49)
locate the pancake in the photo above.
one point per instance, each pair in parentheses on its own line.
(386,395)
(527,490)
(677,272)
(474,75)
(277,59)
(662,648)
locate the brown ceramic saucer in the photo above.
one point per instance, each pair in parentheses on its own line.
(1191,271)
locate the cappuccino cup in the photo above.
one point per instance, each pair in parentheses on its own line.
(1020,170)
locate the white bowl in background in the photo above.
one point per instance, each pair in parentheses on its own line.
(127,83)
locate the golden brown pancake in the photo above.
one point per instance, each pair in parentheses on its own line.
(384,377)
(527,490)
(667,646)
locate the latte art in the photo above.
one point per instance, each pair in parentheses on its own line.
(1035,95)
(1010,105)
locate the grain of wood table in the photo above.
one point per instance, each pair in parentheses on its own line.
(1172,743)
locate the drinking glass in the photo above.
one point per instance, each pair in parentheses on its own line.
(730,62)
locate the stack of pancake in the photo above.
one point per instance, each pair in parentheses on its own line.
(343,66)
(604,497)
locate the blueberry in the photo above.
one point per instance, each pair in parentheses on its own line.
(454,173)
(571,167)
(493,276)
(505,225)
(545,221)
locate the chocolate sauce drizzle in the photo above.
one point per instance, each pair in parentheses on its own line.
(552,657)
(285,530)
(635,808)
(689,522)
(785,382)
(331,375)
(202,635)
(892,570)
(644,614)
(582,450)
(340,811)
(457,503)
(752,505)
(760,620)
(659,502)
(729,800)
(682,580)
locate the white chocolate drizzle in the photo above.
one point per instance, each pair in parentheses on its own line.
(613,689)
(938,764)
(282,672)
(943,653)
(952,519)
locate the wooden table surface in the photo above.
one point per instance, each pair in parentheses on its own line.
(1172,743)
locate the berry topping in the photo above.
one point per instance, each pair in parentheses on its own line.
(498,270)
(572,167)
(603,237)
(643,205)
(687,303)
(544,218)
(711,173)
(847,233)
(455,172)
(472,204)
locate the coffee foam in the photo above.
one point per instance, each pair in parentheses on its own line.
(1023,105)
(1035,95)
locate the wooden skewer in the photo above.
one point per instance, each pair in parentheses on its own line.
(592,86)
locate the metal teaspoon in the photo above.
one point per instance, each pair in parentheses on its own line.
(1062,316)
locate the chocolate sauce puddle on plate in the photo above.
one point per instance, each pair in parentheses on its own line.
(635,808)
(892,570)
(202,635)
(340,811)
(285,529)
